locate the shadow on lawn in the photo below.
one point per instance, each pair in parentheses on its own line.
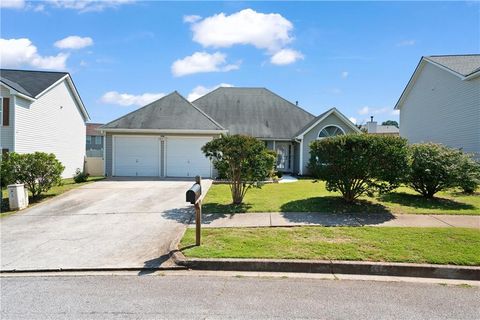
(213,208)
(417,201)
(333,204)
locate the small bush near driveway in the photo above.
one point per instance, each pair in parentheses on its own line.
(359,164)
(39,171)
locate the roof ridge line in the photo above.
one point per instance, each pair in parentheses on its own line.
(202,112)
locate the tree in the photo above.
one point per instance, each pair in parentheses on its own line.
(435,167)
(39,171)
(355,165)
(390,123)
(244,160)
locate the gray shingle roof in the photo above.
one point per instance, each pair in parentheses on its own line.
(28,82)
(170,112)
(461,64)
(254,111)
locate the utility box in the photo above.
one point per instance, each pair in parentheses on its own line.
(17,196)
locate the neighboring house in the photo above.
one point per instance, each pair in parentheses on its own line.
(372,127)
(94,142)
(42,111)
(441,102)
(165,137)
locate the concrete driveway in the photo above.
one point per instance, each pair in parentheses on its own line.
(106,224)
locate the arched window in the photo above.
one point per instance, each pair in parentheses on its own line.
(330,131)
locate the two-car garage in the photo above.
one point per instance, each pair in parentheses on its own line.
(159,156)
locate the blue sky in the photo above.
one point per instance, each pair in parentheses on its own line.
(356,56)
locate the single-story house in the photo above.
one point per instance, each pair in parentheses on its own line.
(164,138)
(43,111)
(441,102)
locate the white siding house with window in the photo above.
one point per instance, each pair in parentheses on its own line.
(441,102)
(42,111)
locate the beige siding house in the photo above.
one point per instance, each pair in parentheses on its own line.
(45,114)
(441,102)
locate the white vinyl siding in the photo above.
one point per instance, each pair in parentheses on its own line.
(442,108)
(184,157)
(53,124)
(312,135)
(6,133)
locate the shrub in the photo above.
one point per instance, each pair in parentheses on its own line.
(279,174)
(359,164)
(243,160)
(80,176)
(39,171)
(469,174)
(434,168)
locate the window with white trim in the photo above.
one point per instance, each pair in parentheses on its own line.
(330,131)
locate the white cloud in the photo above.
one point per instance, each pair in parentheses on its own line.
(74,42)
(202,62)
(376,111)
(344,74)
(12,4)
(286,56)
(126,99)
(199,91)
(88,5)
(191,18)
(353,119)
(265,31)
(363,110)
(22,52)
(406,43)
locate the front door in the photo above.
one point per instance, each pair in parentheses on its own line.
(284,156)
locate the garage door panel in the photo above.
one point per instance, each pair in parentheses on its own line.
(137,156)
(186,159)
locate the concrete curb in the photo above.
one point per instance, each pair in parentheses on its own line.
(332,266)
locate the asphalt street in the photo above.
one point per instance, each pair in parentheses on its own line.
(164,296)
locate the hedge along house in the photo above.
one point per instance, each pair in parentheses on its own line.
(165,137)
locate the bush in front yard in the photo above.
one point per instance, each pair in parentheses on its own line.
(80,176)
(39,171)
(359,164)
(435,167)
(469,174)
(243,160)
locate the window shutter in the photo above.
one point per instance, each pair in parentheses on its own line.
(6,111)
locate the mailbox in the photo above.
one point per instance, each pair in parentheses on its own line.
(194,193)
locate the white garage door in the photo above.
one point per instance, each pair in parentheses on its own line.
(185,157)
(136,156)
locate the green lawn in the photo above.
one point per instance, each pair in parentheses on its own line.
(309,196)
(67,184)
(416,245)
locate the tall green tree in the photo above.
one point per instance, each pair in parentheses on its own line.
(244,160)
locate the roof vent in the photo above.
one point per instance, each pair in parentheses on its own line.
(296,103)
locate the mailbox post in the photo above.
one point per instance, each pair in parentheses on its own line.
(193,196)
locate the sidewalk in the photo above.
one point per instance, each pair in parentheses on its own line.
(286,219)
